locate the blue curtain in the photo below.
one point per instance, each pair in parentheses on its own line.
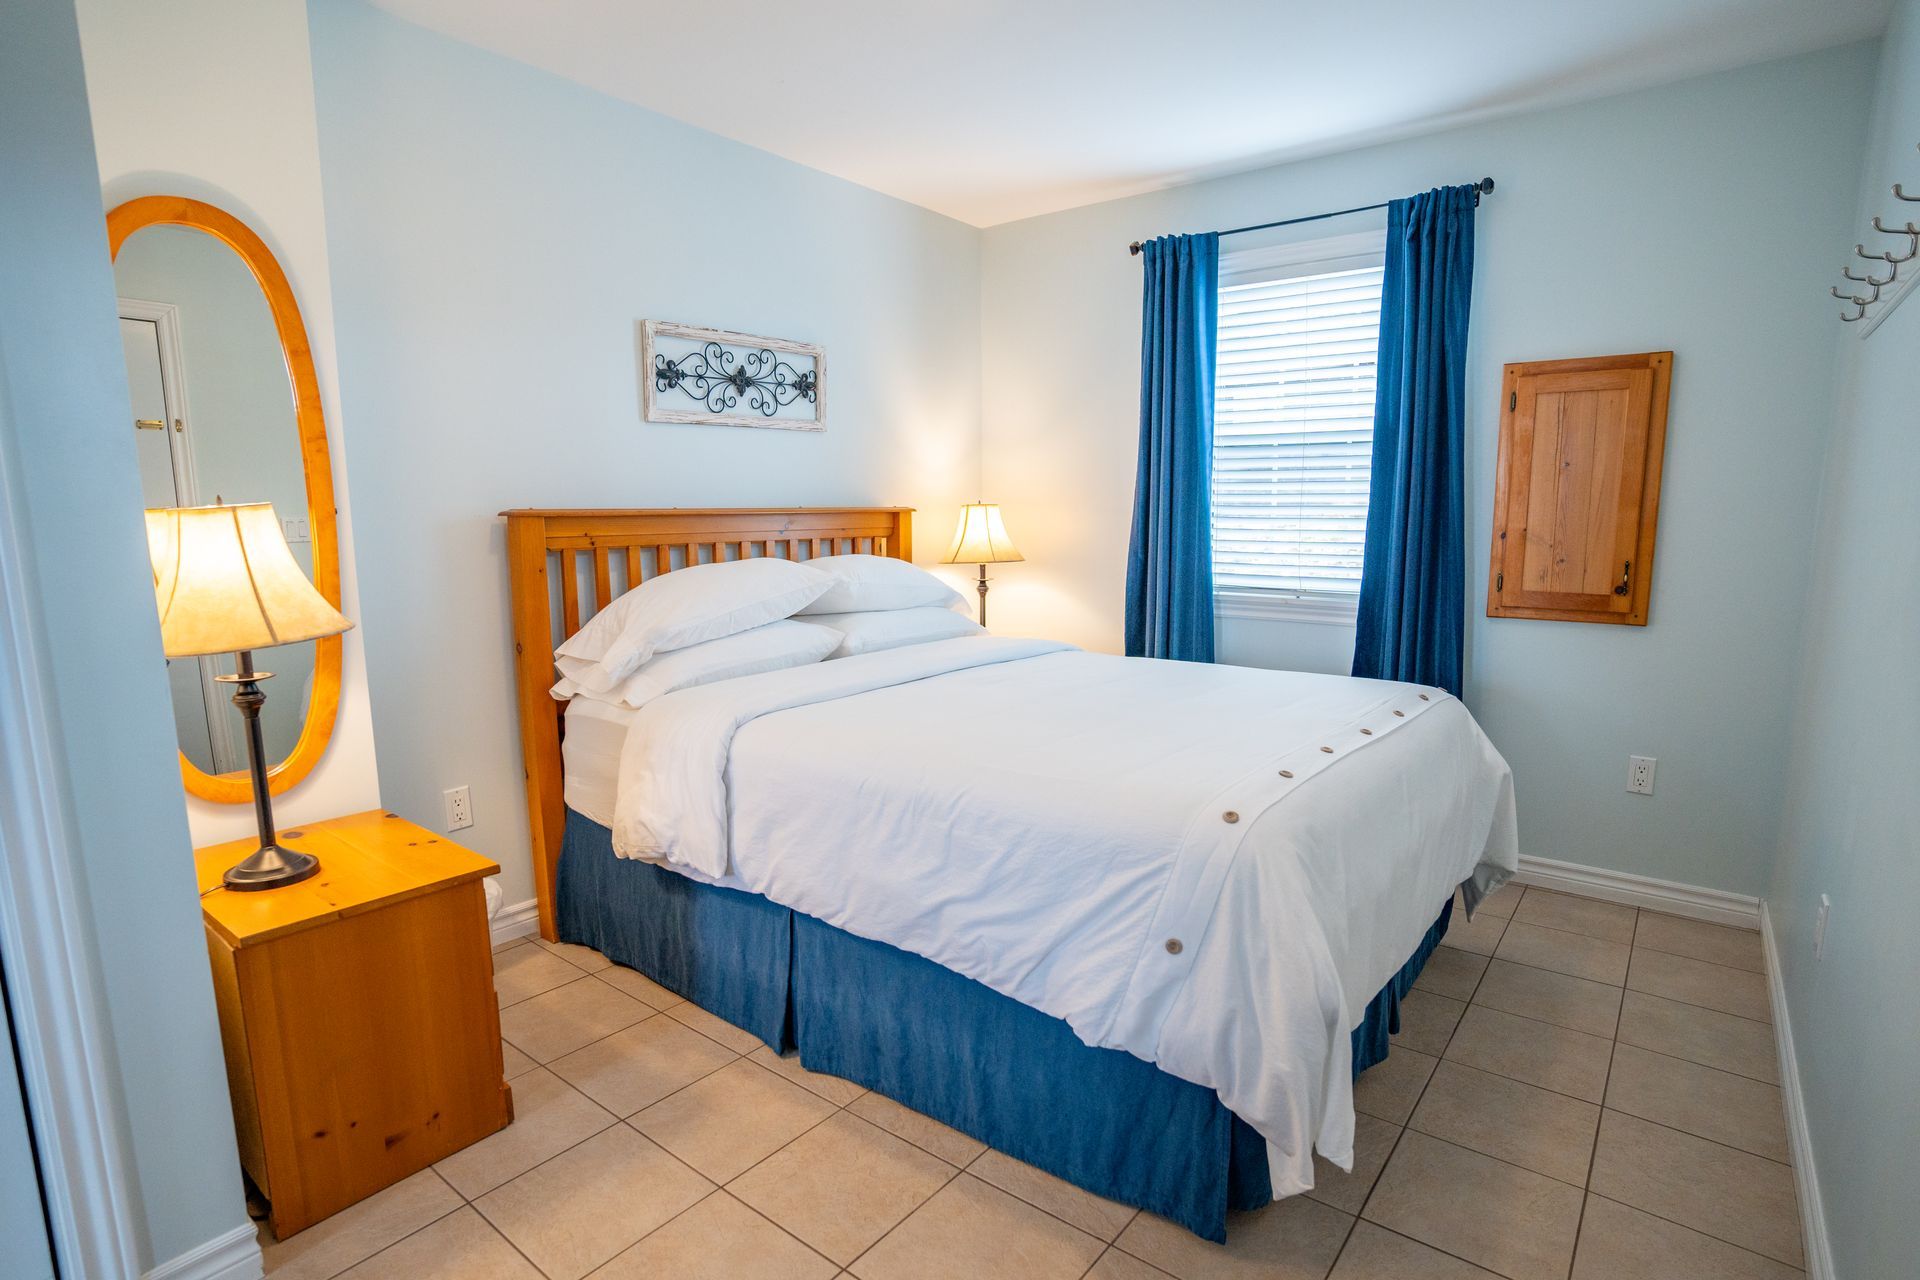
(1413,580)
(1170,557)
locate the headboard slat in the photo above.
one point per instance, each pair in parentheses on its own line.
(569,592)
(537,536)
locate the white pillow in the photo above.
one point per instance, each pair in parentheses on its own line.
(774,647)
(685,607)
(890,628)
(865,583)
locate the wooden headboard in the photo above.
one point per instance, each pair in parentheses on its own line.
(564,566)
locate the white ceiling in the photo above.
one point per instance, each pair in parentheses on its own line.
(991,110)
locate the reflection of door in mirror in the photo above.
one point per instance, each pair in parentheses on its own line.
(149,335)
(214,421)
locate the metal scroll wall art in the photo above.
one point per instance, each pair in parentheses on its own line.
(719,377)
(1874,285)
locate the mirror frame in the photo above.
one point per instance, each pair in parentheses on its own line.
(317,730)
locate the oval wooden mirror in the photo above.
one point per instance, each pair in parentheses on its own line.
(227,408)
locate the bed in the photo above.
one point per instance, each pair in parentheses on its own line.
(1137,923)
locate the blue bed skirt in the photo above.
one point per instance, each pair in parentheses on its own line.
(943,1044)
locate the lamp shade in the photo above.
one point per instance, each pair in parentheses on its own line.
(225,580)
(982,537)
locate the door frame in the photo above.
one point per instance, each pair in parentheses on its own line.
(165,318)
(58,1022)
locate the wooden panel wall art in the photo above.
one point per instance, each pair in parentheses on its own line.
(1577,489)
(715,376)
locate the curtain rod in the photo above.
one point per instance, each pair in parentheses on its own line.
(1481,188)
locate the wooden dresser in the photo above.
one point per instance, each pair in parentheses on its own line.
(357,1011)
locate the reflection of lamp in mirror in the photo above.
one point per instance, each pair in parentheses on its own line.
(225,582)
(982,539)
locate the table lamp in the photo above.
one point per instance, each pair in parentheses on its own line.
(225,582)
(982,539)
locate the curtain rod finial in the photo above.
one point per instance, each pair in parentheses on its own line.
(1486,186)
(1134,248)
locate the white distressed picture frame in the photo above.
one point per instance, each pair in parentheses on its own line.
(667,399)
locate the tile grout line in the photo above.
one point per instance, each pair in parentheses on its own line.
(1593,1155)
(1634,1044)
(619,1121)
(722,1186)
(957,1172)
(718,1190)
(1398,1138)
(1639,991)
(981,1155)
(581,975)
(1602,1103)
(651,1013)
(1491,956)
(1701,1137)
(1660,1217)
(743,1057)
(1107,1245)
(439,1217)
(1681,955)
(1705,1066)
(1408,1126)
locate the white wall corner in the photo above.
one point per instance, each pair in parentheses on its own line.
(234,1255)
(1806,1174)
(1692,901)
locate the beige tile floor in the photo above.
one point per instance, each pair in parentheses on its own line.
(1580,1091)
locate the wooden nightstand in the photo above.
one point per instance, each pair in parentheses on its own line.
(357,1012)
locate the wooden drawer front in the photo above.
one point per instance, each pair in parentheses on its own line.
(375,1049)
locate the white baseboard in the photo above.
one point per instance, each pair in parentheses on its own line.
(521,920)
(233,1256)
(1806,1175)
(1714,905)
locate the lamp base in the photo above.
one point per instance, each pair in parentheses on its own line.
(271,867)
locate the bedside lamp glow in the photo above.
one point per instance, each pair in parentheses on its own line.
(225,582)
(981,539)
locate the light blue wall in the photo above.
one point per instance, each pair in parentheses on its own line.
(496,236)
(1853,791)
(66,431)
(1701,217)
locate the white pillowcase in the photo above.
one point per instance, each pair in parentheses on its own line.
(685,607)
(776,646)
(864,583)
(890,628)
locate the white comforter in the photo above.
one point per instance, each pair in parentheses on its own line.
(1214,868)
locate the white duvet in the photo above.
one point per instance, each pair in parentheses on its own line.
(1214,868)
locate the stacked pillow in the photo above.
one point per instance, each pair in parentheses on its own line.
(773,647)
(686,607)
(716,621)
(877,602)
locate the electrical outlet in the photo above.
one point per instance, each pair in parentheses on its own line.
(1820,929)
(1640,775)
(459,808)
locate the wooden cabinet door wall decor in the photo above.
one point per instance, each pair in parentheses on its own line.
(1577,489)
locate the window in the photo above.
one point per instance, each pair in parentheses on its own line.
(1293,426)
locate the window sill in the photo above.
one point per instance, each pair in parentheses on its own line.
(1273,606)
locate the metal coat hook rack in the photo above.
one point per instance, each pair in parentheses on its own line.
(1884,291)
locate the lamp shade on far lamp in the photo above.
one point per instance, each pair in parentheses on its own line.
(981,539)
(225,582)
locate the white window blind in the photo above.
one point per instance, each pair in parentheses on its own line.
(1299,331)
